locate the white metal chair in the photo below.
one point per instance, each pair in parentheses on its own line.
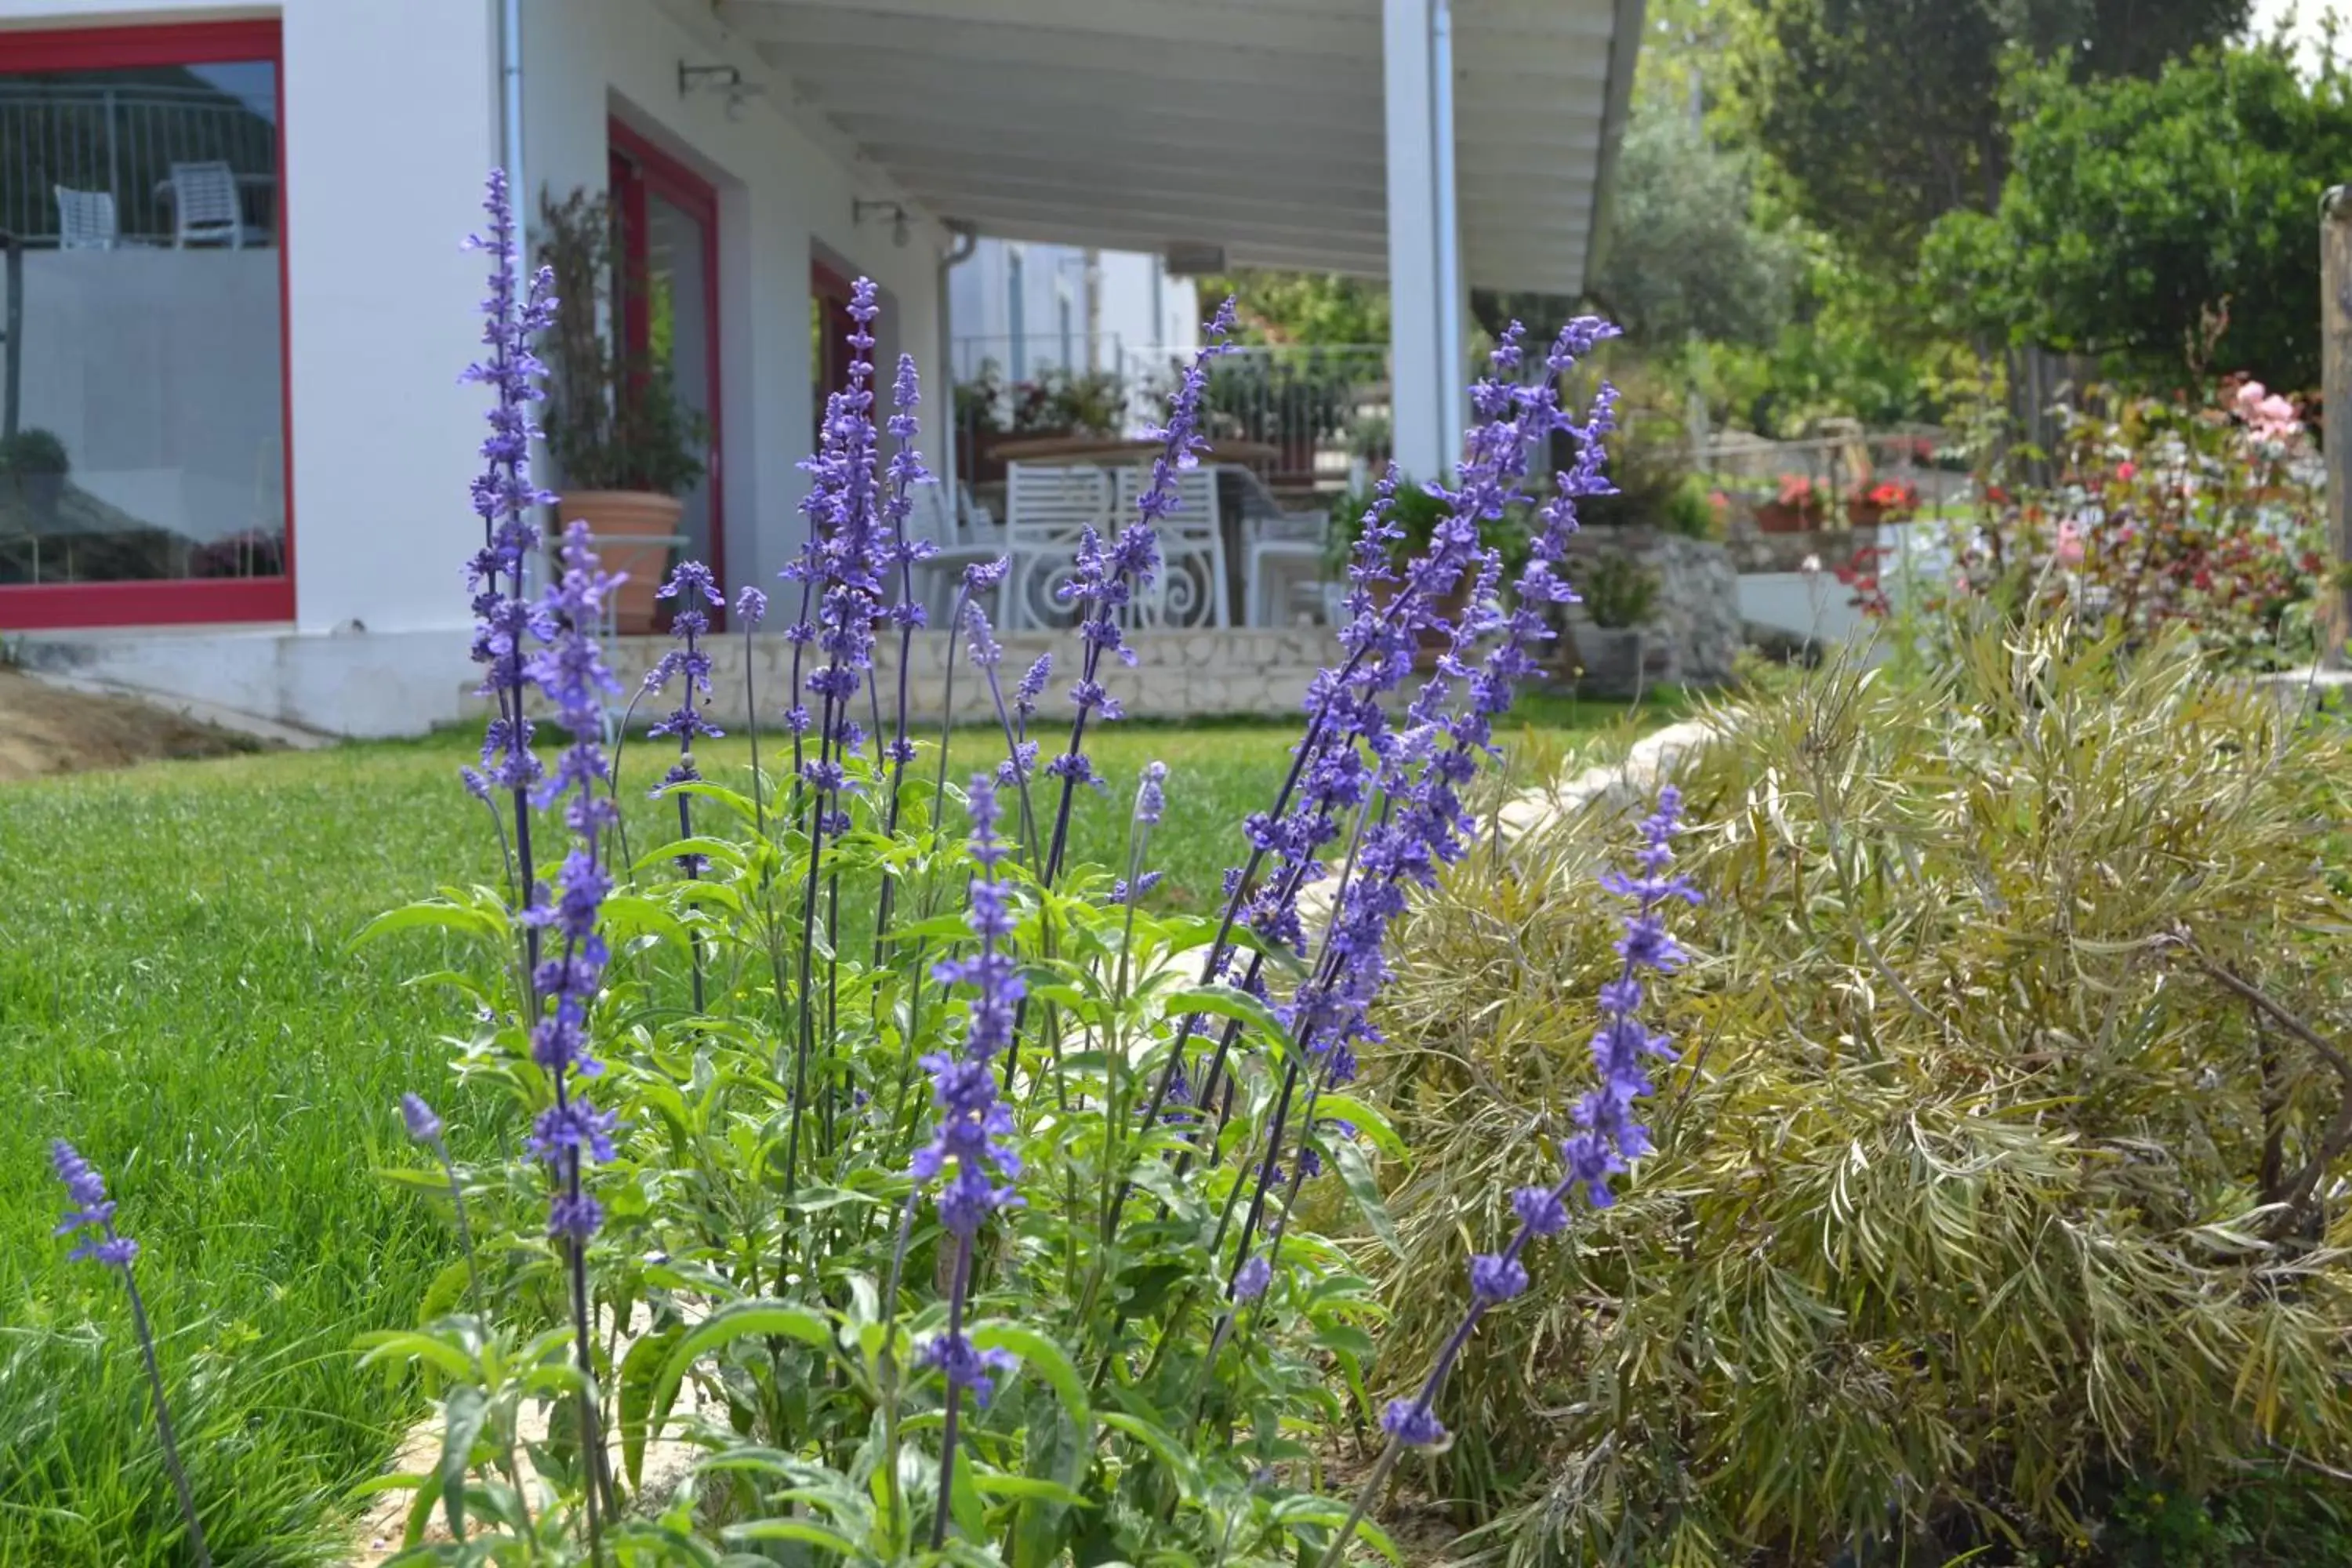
(85,219)
(1047,509)
(206,208)
(1190,590)
(958,547)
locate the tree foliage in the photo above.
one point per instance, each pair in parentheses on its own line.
(2137,209)
(1882,115)
(1686,256)
(1312,308)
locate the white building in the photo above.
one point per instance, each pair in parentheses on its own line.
(1024,307)
(238,300)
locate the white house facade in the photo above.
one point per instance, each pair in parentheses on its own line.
(1025,308)
(233,453)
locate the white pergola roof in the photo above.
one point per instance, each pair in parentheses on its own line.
(1253,125)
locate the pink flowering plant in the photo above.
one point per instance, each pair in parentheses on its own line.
(2204,515)
(891,1186)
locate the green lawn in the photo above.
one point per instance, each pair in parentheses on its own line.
(178,996)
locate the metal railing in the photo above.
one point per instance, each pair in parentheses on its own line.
(1314,415)
(122,140)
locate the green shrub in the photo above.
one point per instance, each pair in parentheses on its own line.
(1618,591)
(34,451)
(1982,1186)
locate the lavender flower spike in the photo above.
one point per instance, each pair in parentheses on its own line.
(973,1124)
(1608,1139)
(93,1211)
(424,1126)
(694,592)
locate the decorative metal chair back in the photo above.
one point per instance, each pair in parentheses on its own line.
(1047,509)
(1191,589)
(205,207)
(85,219)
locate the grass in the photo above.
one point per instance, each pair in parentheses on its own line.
(178,996)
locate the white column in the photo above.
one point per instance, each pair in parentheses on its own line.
(1425,285)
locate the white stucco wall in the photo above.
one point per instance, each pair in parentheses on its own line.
(1140,307)
(391,124)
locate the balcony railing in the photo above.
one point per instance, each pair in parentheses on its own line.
(1307,416)
(122,140)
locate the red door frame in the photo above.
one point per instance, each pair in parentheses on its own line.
(26,606)
(638,168)
(831,289)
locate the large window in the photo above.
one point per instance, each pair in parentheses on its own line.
(143,408)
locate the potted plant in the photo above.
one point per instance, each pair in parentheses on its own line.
(1618,594)
(1887,501)
(36,465)
(1800,507)
(625,448)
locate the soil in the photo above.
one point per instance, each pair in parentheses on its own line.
(47,729)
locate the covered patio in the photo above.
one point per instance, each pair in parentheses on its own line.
(1445,145)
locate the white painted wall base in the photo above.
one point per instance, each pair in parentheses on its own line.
(354,683)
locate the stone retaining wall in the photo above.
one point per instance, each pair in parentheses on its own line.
(1697,616)
(1176,675)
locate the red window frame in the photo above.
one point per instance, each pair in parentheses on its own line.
(183,601)
(634,169)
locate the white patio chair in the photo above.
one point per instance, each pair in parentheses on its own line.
(1047,509)
(206,206)
(936,577)
(1190,589)
(85,219)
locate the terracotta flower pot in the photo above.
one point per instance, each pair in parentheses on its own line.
(1782,517)
(614,519)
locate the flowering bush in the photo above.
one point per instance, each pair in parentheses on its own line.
(940,1198)
(2207,516)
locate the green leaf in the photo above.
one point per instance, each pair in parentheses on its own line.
(1047,1360)
(435,915)
(801,1530)
(461,1423)
(725,1327)
(1356,1173)
(1164,1447)
(1372,1123)
(1028,1488)
(639,1370)
(410,1345)
(1227,1002)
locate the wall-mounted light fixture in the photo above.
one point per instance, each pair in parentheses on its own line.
(724,80)
(901,228)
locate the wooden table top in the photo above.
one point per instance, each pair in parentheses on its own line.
(1117,450)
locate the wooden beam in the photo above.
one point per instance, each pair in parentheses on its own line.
(2336,390)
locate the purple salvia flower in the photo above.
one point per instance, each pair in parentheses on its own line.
(424,1125)
(1032,686)
(973,1120)
(750,607)
(1150,796)
(691,588)
(571,672)
(1609,1138)
(1251,1280)
(93,1211)
(505,622)
(1107,575)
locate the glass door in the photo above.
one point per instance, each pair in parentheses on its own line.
(668,302)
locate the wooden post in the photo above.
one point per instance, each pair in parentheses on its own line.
(2336,433)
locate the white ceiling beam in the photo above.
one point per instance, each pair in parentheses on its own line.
(1324,30)
(1173,220)
(845,75)
(1294,189)
(1534,153)
(1319,48)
